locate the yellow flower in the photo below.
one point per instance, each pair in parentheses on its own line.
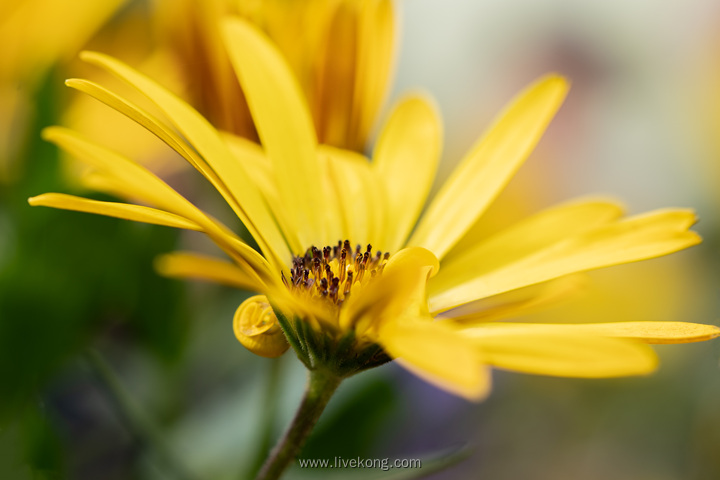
(404,292)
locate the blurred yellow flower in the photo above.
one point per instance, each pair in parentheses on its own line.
(397,294)
(37,34)
(341,52)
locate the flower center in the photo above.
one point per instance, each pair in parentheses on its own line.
(333,273)
(321,337)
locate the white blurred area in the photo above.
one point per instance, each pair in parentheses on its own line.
(633,125)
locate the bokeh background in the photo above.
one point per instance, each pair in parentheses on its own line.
(78,294)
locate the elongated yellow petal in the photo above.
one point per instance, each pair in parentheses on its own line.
(140,183)
(333,213)
(196,266)
(137,213)
(154,125)
(438,354)
(489,166)
(374,69)
(525,238)
(636,238)
(405,161)
(105,183)
(248,203)
(647,332)
(252,155)
(563,354)
(284,126)
(518,302)
(335,83)
(360,196)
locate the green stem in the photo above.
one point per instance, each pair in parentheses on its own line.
(139,424)
(321,386)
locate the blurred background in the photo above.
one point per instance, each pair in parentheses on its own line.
(84,317)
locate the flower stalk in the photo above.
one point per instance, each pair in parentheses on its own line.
(321,386)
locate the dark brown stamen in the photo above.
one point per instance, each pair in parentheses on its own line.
(331,271)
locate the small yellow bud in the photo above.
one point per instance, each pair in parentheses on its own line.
(257,328)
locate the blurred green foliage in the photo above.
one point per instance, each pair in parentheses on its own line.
(66,279)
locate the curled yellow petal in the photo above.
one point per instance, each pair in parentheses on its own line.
(257,328)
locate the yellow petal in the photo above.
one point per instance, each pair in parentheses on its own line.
(525,238)
(488,167)
(38,33)
(248,203)
(261,170)
(153,125)
(105,183)
(647,332)
(636,238)
(375,61)
(562,354)
(136,213)
(190,30)
(140,183)
(335,82)
(413,257)
(518,302)
(437,354)
(196,266)
(284,126)
(399,292)
(333,213)
(91,117)
(405,161)
(137,180)
(360,196)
